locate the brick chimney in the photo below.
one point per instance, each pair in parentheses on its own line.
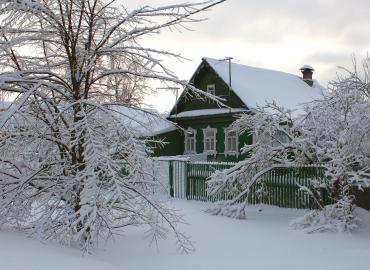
(307,72)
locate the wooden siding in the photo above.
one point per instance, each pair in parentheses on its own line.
(174,144)
(176,141)
(206,75)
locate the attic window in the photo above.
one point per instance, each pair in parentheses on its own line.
(210,140)
(190,141)
(211,89)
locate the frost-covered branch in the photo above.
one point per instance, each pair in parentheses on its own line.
(332,132)
(73,169)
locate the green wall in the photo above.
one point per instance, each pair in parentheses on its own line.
(173,144)
(220,140)
(206,75)
(176,139)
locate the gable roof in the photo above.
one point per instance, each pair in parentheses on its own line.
(254,86)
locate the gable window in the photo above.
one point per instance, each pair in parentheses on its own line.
(231,142)
(190,141)
(210,140)
(211,89)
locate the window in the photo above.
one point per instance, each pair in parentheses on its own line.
(210,140)
(190,141)
(231,142)
(211,89)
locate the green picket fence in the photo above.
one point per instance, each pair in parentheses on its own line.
(279,186)
(197,175)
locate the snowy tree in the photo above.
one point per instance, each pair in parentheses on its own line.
(72,170)
(332,132)
(129,89)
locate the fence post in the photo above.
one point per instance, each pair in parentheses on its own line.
(187,168)
(170,167)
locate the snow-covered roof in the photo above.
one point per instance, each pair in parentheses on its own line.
(207,112)
(146,122)
(254,86)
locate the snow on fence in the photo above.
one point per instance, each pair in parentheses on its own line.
(161,173)
(279,187)
(172,173)
(197,175)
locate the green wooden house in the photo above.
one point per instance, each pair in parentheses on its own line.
(207,135)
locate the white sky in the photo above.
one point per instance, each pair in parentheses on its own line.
(275,34)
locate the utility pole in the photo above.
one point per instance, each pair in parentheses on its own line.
(228,59)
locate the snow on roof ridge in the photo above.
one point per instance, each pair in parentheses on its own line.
(252,67)
(256,86)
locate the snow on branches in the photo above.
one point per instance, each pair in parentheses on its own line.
(333,132)
(72,170)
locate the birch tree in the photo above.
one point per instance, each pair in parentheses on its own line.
(333,132)
(71,168)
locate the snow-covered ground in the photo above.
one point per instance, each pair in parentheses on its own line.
(263,241)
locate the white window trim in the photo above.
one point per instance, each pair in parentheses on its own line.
(187,131)
(213,86)
(227,151)
(254,136)
(210,152)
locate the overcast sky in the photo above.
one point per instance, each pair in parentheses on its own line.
(276,34)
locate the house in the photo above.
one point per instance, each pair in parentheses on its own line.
(206,134)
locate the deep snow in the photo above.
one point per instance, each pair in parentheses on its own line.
(263,241)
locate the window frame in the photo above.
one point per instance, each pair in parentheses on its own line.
(205,138)
(229,152)
(211,87)
(186,143)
